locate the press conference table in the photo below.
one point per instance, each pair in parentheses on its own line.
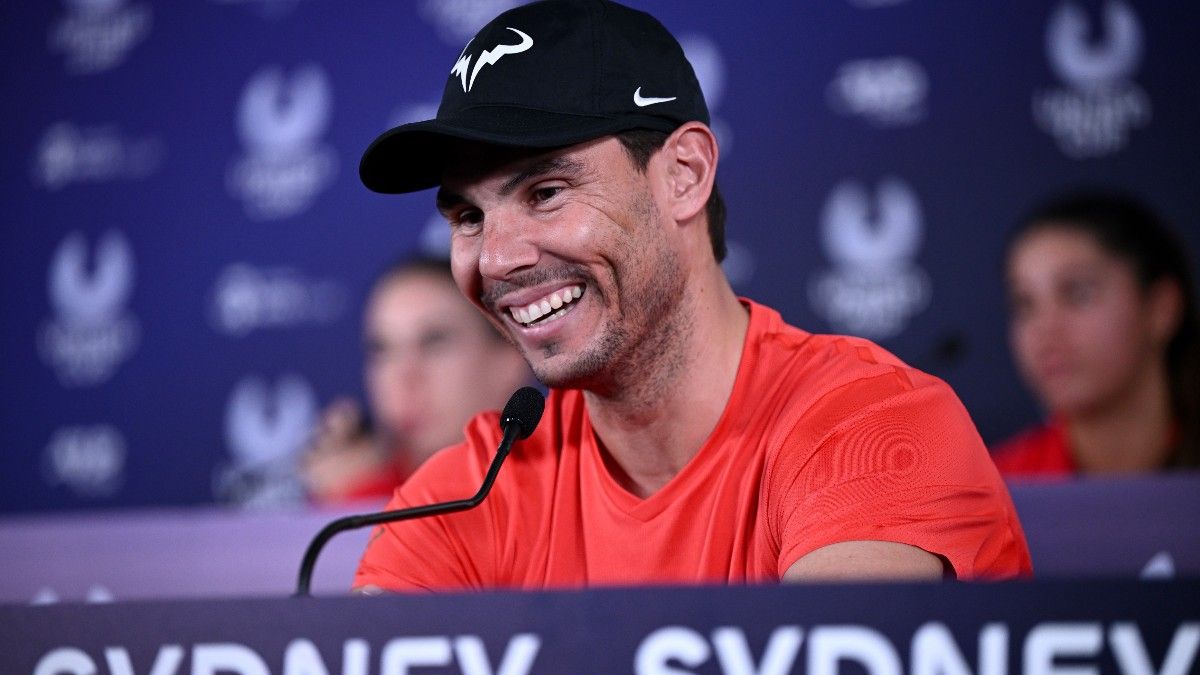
(228,575)
(1011,627)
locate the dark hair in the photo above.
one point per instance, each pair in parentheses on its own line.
(1131,231)
(640,144)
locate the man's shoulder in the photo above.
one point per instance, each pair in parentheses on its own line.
(815,363)
(808,387)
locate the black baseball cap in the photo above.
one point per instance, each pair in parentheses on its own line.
(545,75)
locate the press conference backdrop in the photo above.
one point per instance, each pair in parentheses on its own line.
(187,244)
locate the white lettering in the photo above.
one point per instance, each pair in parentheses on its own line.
(1048,641)
(355,657)
(403,653)
(166,662)
(222,657)
(518,656)
(934,651)
(830,644)
(671,643)
(778,657)
(65,661)
(1130,650)
(302,658)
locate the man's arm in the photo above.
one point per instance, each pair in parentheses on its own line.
(867,561)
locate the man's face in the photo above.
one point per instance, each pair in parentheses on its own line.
(566,252)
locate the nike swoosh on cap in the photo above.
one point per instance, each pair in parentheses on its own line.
(643,101)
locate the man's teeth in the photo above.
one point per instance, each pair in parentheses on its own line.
(540,308)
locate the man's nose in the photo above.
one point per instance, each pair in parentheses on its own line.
(509,244)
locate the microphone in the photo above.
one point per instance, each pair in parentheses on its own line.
(518,420)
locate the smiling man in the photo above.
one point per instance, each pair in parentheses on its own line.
(690,436)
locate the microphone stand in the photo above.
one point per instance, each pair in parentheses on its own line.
(512,430)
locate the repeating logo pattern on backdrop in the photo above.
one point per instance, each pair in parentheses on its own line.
(457,21)
(875,285)
(91,331)
(246,298)
(97,35)
(887,92)
(709,65)
(70,154)
(281,122)
(1101,104)
(89,460)
(265,428)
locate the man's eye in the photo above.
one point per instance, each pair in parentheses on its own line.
(468,218)
(545,194)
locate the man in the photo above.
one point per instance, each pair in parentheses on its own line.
(689,436)
(432,362)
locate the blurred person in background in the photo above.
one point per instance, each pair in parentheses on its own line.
(432,362)
(1104,329)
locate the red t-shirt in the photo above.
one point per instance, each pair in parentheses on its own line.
(1043,451)
(824,439)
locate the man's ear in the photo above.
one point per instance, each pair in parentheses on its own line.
(691,154)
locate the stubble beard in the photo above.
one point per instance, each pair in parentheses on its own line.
(639,352)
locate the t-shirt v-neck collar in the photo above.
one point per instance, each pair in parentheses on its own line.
(711,452)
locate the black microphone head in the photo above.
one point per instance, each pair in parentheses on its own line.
(524,408)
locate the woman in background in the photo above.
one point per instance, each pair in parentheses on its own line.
(432,362)
(1104,329)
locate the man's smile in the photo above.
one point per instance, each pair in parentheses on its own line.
(546,308)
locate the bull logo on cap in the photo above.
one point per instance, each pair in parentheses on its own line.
(487,57)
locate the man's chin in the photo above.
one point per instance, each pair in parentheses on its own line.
(558,373)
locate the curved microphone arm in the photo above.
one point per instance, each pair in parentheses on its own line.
(512,431)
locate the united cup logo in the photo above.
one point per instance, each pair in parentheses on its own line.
(95,35)
(281,121)
(1101,104)
(265,428)
(875,285)
(92,332)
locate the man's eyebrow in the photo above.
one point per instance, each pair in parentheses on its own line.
(551,165)
(447,199)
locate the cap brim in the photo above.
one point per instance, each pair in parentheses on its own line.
(409,157)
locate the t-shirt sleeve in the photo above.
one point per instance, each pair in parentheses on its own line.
(881,459)
(434,553)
